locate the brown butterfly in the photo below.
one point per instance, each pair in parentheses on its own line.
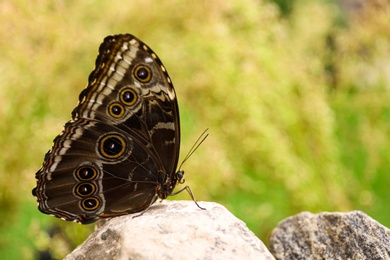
(120,151)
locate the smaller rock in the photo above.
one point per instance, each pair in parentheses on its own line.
(351,235)
(174,230)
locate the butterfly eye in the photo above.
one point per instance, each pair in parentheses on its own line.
(90,204)
(143,73)
(116,110)
(85,189)
(86,173)
(112,146)
(128,97)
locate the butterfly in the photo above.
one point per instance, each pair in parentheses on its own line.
(119,152)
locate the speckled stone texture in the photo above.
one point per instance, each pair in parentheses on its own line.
(174,230)
(351,235)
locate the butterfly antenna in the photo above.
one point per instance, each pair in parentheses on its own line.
(195,146)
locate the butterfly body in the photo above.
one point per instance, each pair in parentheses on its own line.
(119,152)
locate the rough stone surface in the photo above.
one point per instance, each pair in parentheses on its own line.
(352,235)
(174,230)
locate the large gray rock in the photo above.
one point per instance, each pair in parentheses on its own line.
(174,230)
(352,235)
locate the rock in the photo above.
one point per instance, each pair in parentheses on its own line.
(352,235)
(173,230)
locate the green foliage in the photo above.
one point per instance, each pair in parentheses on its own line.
(298,107)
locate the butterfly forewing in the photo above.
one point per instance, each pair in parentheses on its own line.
(121,146)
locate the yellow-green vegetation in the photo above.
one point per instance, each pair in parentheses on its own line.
(297,104)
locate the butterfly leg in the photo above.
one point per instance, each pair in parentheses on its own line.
(188,189)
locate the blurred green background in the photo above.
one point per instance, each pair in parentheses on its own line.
(296,96)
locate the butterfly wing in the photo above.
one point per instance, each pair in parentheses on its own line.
(122,141)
